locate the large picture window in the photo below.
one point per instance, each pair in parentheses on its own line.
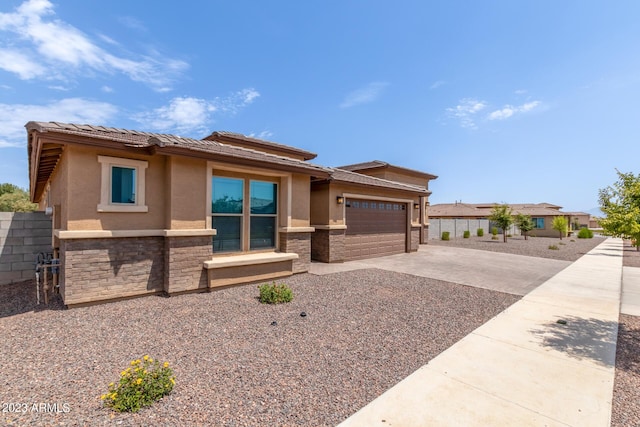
(244,214)
(227,210)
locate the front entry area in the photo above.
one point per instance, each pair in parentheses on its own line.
(374,228)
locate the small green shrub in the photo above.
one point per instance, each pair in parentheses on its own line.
(274,293)
(466,234)
(585,233)
(445,235)
(480,232)
(494,237)
(554,247)
(143,383)
(494,231)
(562,243)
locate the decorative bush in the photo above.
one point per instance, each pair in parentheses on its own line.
(480,232)
(143,383)
(274,293)
(445,235)
(494,231)
(466,234)
(585,233)
(554,247)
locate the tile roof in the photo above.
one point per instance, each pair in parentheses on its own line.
(484,209)
(341,175)
(210,148)
(137,139)
(380,164)
(251,141)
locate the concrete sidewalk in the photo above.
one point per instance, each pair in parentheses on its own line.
(548,360)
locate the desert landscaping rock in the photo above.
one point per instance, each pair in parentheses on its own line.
(365,331)
(369,330)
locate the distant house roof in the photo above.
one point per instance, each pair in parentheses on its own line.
(378,164)
(483,210)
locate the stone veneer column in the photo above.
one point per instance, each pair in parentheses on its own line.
(184,257)
(299,243)
(328,245)
(415,238)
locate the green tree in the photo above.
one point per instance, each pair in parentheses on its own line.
(525,224)
(560,223)
(621,205)
(502,216)
(15,199)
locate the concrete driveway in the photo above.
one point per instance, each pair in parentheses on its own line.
(513,274)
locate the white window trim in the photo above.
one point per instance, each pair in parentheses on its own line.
(105,185)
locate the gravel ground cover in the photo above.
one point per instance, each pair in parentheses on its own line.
(569,248)
(626,392)
(364,331)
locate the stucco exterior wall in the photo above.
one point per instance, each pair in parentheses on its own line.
(186,193)
(300,200)
(83,187)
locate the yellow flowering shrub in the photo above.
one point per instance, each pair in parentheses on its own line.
(141,384)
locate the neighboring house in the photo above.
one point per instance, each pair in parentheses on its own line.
(542,214)
(138,213)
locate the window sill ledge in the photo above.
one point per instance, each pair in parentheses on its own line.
(122,208)
(249,259)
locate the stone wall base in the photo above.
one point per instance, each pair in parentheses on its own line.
(328,245)
(299,243)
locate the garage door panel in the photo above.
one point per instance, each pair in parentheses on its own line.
(375,229)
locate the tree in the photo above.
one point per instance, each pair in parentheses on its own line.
(560,223)
(502,216)
(621,205)
(15,199)
(525,224)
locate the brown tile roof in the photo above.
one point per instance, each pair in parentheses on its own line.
(224,135)
(380,164)
(210,148)
(341,175)
(137,139)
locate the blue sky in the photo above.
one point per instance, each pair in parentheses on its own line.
(506,101)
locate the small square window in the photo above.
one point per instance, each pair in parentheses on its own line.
(122,187)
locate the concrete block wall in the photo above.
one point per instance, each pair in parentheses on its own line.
(22,236)
(457,227)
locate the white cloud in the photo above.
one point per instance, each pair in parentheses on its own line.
(365,95)
(190,115)
(44,47)
(13,117)
(265,134)
(437,84)
(465,112)
(509,110)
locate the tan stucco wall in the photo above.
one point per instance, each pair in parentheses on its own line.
(326,211)
(84,183)
(186,193)
(58,195)
(300,200)
(396,176)
(320,204)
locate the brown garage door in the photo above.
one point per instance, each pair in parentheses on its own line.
(375,228)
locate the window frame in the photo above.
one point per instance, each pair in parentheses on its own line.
(273,215)
(107,164)
(245,226)
(229,214)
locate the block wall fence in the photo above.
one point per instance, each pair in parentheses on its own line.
(22,236)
